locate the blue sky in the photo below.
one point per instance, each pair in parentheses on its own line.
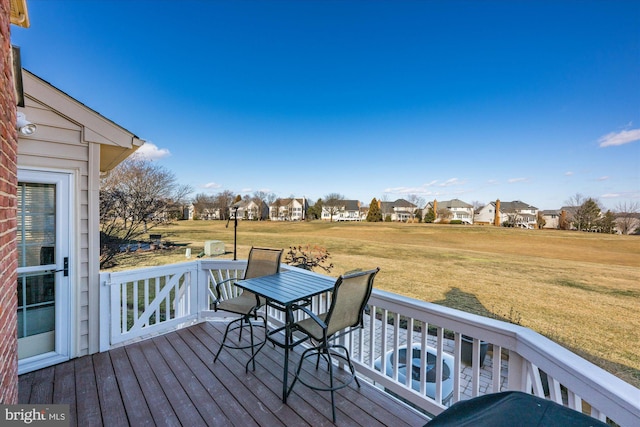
(477,100)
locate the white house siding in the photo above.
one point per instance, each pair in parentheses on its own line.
(57,146)
(486,215)
(73,138)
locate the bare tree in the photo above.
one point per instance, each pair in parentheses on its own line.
(203,204)
(222,201)
(135,196)
(540,221)
(628,217)
(419,202)
(333,202)
(477,205)
(263,200)
(572,205)
(445,215)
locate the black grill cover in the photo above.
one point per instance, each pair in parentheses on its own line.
(511,408)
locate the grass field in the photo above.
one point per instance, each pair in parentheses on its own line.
(579,289)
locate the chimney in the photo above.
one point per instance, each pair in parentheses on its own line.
(435,210)
(496,218)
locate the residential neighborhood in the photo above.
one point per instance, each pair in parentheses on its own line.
(516,213)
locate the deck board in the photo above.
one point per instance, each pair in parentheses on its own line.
(64,389)
(88,403)
(135,403)
(111,404)
(171,380)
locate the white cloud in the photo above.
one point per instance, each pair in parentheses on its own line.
(603,178)
(424,189)
(514,180)
(619,138)
(450,182)
(151,151)
(630,195)
(409,190)
(447,183)
(569,173)
(211,185)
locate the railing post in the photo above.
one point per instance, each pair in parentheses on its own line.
(517,372)
(105,311)
(202,291)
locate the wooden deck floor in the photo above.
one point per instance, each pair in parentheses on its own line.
(171,380)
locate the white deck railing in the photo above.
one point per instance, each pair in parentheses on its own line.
(144,302)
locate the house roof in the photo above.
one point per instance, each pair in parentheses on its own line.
(351,205)
(282,202)
(116,142)
(515,206)
(402,203)
(389,207)
(450,204)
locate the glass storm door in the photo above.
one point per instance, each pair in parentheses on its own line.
(44,230)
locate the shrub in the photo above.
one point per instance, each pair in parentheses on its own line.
(308,257)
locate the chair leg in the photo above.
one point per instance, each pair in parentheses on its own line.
(333,398)
(224,339)
(241,323)
(295,377)
(253,359)
(327,355)
(351,367)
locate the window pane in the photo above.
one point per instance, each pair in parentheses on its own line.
(36,307)
(36,224)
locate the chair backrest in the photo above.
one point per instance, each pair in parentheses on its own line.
(350,296)
(263,262)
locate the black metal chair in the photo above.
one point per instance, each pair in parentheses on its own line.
(349,298)
(261,262)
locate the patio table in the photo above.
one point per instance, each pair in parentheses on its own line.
(281,291)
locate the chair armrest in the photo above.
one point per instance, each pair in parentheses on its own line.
(218,295)
(311,314)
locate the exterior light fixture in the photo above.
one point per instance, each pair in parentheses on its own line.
(24,126)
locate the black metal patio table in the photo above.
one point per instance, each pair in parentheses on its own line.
(281,291)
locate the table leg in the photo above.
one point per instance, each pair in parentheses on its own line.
(287,345)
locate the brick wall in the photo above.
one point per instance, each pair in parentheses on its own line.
(8,253)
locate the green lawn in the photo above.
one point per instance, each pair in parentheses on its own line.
(580,289)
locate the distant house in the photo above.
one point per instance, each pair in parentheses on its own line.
(290,209)
(346,210)
(210,213)
(188,212)
(400,210)
(551,218)
(456,210)
(250,210)
(628,223)
(514,214)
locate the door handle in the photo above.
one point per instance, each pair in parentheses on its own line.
(65,267)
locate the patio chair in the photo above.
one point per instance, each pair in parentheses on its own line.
(349,298)
(261,262)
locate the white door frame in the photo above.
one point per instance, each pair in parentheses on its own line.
(65,239)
